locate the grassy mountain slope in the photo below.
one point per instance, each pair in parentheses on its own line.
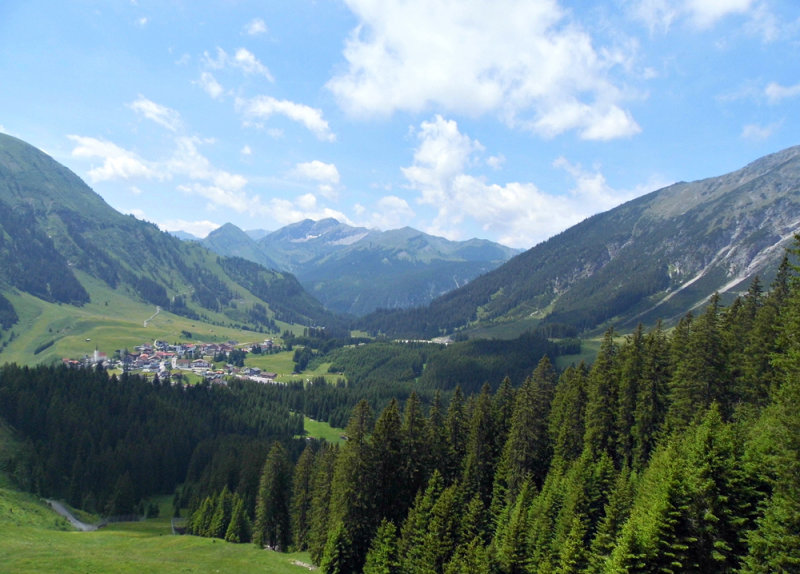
(656,256)
(62,244)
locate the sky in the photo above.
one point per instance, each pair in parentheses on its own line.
(509,120)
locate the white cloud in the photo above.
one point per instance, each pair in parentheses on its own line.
(249,64)
(210,84)
(659,15)
(255,27)
(246,150)
(118,163)
(517,213)
(518,59)
(756,132)
(705,13)
(161,115)
(775,92)
(324,174)
(285,211)
(391,212)
(243,60)
(142,21)
(496,161)
(263,107)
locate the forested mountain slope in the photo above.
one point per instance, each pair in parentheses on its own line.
(53,226)
(654,257)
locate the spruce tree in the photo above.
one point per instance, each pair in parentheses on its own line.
(568,414)
(319,511)
(353,516)
(389,462)
(301,497)
(272,521)
(382,557)
(416,453)
(239,526)
(481,456)
(602,400)
(651,397)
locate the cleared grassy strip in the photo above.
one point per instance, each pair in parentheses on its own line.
(319,429)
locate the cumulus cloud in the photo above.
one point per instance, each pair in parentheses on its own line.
(264,107)
(523,60)
(518,213)
(255,27)
(390,212)
(324,174)
(286,211)
(194,173)
(776,92)
(117,163)
(157,113)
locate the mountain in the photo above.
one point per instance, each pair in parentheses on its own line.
(231,241)
(60,242)
(357,270)
(657,256)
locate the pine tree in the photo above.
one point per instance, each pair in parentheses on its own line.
(700,376)
(382,557)
(602,401)
(415,451)
(322,478)
(438,443)
(512,538)
(456,427)
(272,522)
(631,372)
(389,461)
(481,456)
(353,514)
(221,517)
(651,398)
(527,451)
(568,414)
(301,497)
(239,526)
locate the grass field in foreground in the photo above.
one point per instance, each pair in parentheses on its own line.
(33,539)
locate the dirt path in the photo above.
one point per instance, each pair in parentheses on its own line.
(61,509)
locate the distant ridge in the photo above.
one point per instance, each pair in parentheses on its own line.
(657,256)
(357,270)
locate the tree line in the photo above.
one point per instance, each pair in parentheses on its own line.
(675,451)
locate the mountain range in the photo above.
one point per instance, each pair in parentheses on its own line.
(655,257)
(357,270)
(67,257)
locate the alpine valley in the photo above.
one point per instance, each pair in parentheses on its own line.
(620,398)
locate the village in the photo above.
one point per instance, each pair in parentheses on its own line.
(172,362)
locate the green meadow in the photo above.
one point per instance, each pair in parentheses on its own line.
(33,538)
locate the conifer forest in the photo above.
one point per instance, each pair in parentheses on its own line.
(676,450)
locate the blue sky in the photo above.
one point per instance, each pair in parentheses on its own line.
(506,119)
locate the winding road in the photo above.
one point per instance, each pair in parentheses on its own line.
(62,510)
